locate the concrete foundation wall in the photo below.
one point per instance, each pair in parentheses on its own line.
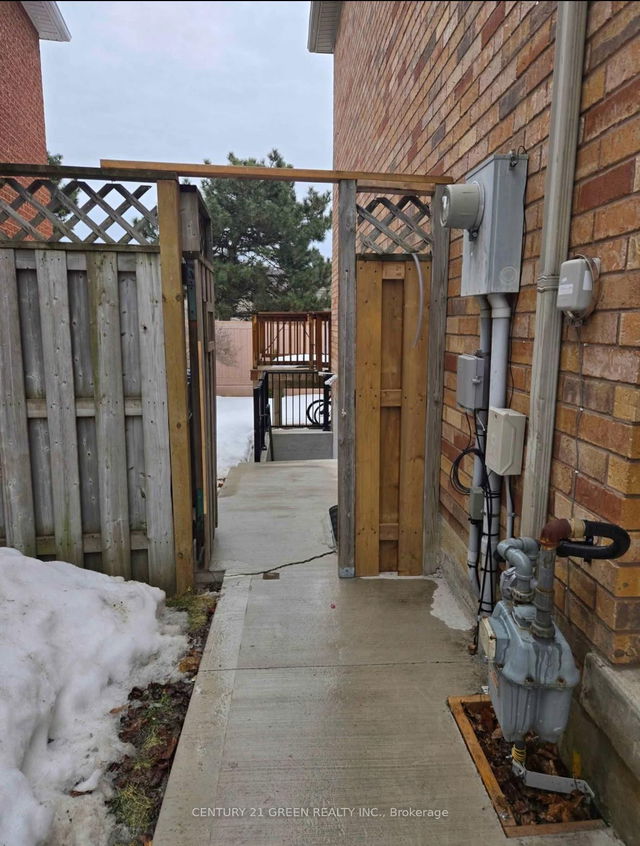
(300,444)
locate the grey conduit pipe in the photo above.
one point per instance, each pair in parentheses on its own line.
(500,329)
(473,546)
(558,192)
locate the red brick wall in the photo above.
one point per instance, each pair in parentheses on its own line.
(437,87)
(22,132)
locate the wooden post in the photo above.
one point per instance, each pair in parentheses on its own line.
(254,340)
(435,385)
(153,391)
(367,428)
(344,415)
(176,364)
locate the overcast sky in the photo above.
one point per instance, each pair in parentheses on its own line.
(184,81)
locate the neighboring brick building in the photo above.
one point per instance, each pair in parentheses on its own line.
(437,87)
(22,129)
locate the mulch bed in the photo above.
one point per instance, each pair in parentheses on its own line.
(152,722)
(528,805)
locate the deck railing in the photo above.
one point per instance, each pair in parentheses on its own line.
(292,339)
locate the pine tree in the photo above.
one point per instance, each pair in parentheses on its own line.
(263,240)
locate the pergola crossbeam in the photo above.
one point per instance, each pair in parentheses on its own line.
(418,182)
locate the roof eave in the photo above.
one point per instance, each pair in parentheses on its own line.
(47,20)
(324,19)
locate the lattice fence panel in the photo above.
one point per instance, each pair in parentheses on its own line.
(77,212)
(386,227)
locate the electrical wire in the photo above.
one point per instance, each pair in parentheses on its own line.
(288,564)
(421,300)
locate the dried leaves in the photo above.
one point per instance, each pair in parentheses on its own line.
(151,723)
(528,805)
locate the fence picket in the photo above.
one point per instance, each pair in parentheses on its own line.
(14,441)
(102,277)
(159,513)
(51,269)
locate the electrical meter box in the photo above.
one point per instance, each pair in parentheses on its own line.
(492,252)
(472,382)
(505,441)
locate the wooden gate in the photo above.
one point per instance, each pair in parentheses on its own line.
(390,413)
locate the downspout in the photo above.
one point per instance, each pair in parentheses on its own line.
(473,546)
(563,140)
(500,326)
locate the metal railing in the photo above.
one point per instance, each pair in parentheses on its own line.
(291,339)
(261,417)
(299,399)
(289,399)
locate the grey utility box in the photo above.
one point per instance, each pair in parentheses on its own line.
(492,252)
(472,383)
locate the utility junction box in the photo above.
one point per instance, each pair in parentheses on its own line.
(472,382)
(505,441)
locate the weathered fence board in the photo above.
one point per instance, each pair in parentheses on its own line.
(102,278)
(154,422)
(14,439)
(60,394)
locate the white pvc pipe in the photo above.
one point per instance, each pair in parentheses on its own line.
(473,546)
(500,326)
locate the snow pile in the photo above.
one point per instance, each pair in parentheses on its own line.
(235,432)
(72,644)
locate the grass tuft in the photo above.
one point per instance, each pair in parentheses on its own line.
(198,606)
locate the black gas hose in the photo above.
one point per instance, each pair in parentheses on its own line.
(561,533)
(620,542)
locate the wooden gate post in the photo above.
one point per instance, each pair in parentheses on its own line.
(344,414)
(435,384)
(176,364)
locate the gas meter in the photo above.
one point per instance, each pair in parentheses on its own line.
(532,672)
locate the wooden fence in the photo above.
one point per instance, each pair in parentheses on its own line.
(233,370)
(95,435)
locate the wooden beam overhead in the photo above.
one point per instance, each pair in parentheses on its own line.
(278,174)
(366,187)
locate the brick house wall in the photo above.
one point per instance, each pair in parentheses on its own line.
(22,130)
(437,87)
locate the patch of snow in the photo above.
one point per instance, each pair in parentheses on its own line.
(294,408)
(234,432)
(73,643)
(446,607)
(393,574)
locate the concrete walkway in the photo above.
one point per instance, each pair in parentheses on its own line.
(319,714)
